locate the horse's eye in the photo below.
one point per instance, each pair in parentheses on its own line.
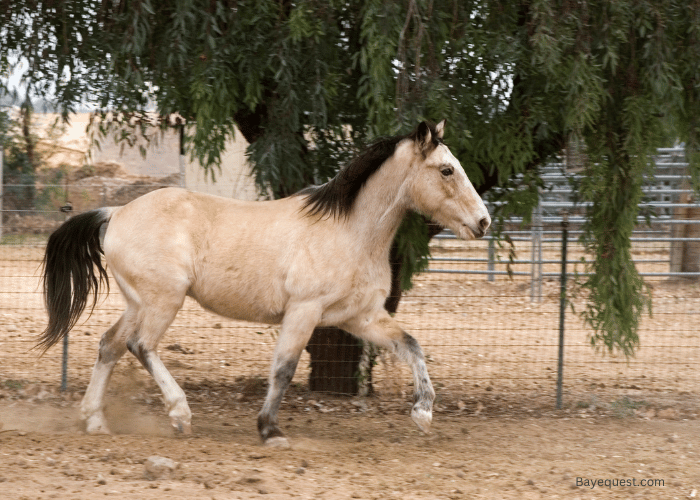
(447,171)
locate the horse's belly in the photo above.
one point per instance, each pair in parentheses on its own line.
(237,301)
(244,312)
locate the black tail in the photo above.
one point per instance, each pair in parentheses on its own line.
(72,254)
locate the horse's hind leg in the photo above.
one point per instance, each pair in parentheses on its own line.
(386,332)
(112,347)
(155,318)
(297,327)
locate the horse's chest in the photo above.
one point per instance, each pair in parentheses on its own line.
(365,288)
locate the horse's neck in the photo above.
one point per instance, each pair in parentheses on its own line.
(380,207)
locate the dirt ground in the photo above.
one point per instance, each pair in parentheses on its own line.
(344,448)
(492,354)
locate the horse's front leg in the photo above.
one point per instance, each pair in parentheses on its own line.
(386,332)
(297,326)
(422,412)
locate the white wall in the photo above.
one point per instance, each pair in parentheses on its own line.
(234,180)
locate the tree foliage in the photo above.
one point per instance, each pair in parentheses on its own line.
(21,159)
(309,82)
(627,73)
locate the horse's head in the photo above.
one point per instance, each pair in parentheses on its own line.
(439,187)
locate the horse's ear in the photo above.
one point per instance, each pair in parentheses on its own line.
(423,136)
(440,129)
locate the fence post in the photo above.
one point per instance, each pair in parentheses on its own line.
(2,191)
(64,362)
(540,230)
(536,254)
(64,365)
(562,309)
(491,260)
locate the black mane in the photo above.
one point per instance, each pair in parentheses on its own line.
(336,197)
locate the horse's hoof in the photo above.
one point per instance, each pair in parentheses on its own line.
(422,418)
(183,428)
(277,442)
(96,425)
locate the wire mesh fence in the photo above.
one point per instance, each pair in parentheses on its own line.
(487,319)
(506,331)
(476,333)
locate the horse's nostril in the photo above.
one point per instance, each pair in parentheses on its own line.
(484,224)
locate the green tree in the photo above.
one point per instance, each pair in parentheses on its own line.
(21,158)
(309,82)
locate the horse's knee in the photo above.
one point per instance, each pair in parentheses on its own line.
(408,349)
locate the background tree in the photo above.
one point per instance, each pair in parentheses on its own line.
(21,159)
(309,82)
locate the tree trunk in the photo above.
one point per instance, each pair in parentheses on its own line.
(335,361)
(685,255)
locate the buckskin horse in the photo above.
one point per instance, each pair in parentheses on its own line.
(317,258)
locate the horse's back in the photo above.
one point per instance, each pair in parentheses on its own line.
(174,217)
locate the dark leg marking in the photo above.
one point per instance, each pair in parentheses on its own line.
(137,349)
(267,420)
(424,393)
(412,345)
(268,428)
(285,373)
